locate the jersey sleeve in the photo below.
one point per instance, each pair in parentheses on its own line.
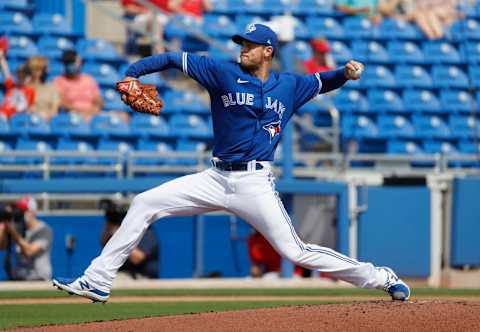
(306,87)
(202,69)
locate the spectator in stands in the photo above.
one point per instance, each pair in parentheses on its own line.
(431,16)
(33,247)
(143,261)
(321,59)
(141,19)
(79,92)
(47,100)
(19,96)
(367,8)
(265,261)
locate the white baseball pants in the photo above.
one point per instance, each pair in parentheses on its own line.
(250,195)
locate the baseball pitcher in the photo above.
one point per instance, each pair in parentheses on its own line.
(250,107)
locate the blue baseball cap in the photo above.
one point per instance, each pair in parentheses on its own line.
(258,34)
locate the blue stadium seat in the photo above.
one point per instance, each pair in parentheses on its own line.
(112,146)
(98,50)
(296,51)
(432,147)
(465,29)
(469,147)
(398,29)
(430,126)
(370,51)
(231,52)
(109,125)
(15,23)
(378,76)
(104,74)
(52,24)
(184,101)
(21,47)
(403,147)
(219,26)
(413,76)
(184,145)
(69,125)
(456,101)
(16,5)
(463,126)
(441,52)
(326,27)
(29,124)
(154,79)
(53,47)
(112,100)
(395,126)
(55,69)
(350,101)
(5,148)
(385,100)
(474,75)
(182,125)
(4,126)
(449,77)
(360,27)
(421,101)
(405,52)
(176,26)
(470,51)
(145,125)
(34,146)
(243,21)
(153,146)
(78,146)
(359,127)
(315,7)
(340,52)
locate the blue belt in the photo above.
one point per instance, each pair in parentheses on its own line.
(235,166)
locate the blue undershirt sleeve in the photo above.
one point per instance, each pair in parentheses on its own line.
(154,64)
(332,80)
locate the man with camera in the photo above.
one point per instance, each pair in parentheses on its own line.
(33,238)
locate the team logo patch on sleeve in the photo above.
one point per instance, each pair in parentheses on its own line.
(273,129)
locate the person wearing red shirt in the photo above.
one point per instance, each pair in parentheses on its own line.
(19,96)
(263,257)
(320,59)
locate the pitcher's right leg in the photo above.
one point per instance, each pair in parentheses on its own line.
(266,213)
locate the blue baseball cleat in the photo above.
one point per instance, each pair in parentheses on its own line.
(394,286)
(80,287)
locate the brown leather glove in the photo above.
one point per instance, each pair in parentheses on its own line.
(140,97)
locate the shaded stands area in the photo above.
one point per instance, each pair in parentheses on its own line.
(414,107)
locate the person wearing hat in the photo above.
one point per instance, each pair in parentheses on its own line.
(79,92)
(47,99)
(250,106)
(34,248)
(320,61)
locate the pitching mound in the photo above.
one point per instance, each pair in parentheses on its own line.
(359,316)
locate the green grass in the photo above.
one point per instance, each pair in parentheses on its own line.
(53,314)
(44,314)
(246,292)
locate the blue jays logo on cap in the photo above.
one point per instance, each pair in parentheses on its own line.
(258,34)
(251,28)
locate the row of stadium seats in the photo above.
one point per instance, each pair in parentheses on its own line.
(106,125)
(410,100)
(418,126)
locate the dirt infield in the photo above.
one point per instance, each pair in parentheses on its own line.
(419,315)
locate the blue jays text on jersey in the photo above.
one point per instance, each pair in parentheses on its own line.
(248,115)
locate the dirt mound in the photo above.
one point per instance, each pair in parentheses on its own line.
(359,316)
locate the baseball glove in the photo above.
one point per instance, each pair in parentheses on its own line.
(140,97)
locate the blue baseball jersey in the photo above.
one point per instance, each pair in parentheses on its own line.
(248,114)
